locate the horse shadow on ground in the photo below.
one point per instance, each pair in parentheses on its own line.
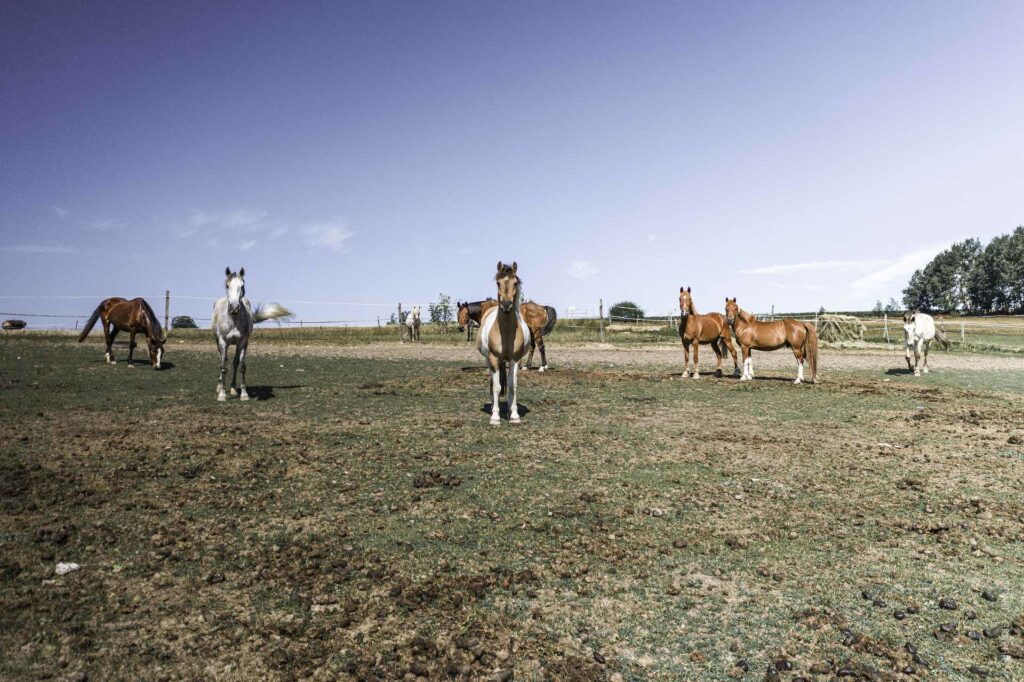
(267,392)
(503,409)
(898,371)
(711,374)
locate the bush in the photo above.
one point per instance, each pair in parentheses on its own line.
(626,310)
(183,322)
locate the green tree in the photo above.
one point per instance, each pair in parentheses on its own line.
(626,310)
(441,312)
(878,307)
(892,306)
(916,295)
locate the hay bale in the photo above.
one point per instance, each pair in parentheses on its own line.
(835,328)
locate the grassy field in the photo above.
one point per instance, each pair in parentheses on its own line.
(359,519)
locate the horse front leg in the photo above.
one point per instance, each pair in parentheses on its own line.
(242,352)
(513,407)
(696,359)
(495,366)
(234,370)
(686,359)
(927,345)
(222,347)
(917,358)
(109,333)
(906,352)
(748,365)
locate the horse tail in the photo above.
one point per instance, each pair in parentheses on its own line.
(270,311)
(940,336)
(91,323)
(811,349)
(550,324)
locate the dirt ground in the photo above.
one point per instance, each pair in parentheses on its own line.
(359,519)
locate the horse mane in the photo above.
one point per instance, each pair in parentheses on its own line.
(154,323)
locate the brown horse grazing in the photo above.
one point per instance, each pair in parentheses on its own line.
(695,329)
(504,337)
(752,334)
(540,319)
(132,316)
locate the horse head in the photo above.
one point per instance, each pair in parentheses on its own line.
(463,314)
(234,287)
(732,311)
(685,301)
(508,286)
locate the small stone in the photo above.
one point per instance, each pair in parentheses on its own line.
(899,615)
(971,615)
(879,603)
(979,671)
(867,595)
(974,634)
(679,544)
(743,665)
(992,632)
(989,595)
(782,664)
(909,670)
(919,659)
(910,648)
(912,610)
(599,657)
(948,627)
(948,604)
(820,669)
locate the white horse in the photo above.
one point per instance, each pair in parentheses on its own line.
(918,331)
(412,323)
(233,320)
(504,338)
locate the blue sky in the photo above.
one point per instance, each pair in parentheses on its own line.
(795,154)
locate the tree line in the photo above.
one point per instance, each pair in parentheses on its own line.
(971,278)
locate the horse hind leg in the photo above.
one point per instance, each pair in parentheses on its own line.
(717,346)
(109,334)
(543,355)
(131,349)
(234,371)
(917,359)
(927,346)
(799,366)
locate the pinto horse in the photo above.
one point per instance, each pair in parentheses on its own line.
(695,329)
(752,334)
(504,337)
(233,322)
(540,319)
(134,316)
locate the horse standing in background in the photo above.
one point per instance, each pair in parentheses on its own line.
(918,332)
(695,329)
(233,322)
(752,334)
(469,314)
(540,319)
(504,337)
(412,323)
(132,316)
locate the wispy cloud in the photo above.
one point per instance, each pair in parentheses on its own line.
(242,218)
(582,269)
(331,235)
(107,225)
(829,265)
(898,270)
(61,212)
(246,246)
(51,248)
(277,232)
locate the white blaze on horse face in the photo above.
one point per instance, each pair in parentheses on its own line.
(234,290)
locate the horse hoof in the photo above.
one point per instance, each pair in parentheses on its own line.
(233,392)
(495,421)
(515,420)
(244,396)
(696,375)
(917,374)
(221,398)
(926,370)
(543,369)
(131,364)
(797,381)
(684,375)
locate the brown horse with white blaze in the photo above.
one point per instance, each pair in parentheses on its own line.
(695,329)
(504,337)
(134,316)
(756,335)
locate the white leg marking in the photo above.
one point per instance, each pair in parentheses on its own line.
(513,407)
(495,390)
(799,372)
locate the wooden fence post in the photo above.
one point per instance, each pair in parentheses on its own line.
(167,310)
(885,323)
(399,322)
(600,309)
(961,331)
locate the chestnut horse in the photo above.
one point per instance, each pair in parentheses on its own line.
(695,329)
(540,319)
(504,337)
(134,316)
(752,334)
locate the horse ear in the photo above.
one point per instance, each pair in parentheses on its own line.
(515,267)
(499,266)
(241,273)
(687,289)
(680,289)
(227,271)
